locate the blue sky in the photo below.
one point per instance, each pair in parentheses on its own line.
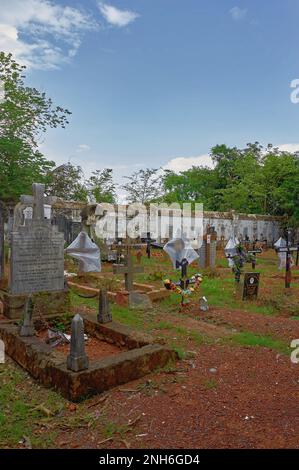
(156,83)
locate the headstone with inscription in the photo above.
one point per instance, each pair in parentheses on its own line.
(37,252)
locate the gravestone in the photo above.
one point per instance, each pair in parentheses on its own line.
(251,286)
(128,269)
(27,327)
(77,359)
(104,314)
(36,264)
(208,249)
(28,213)
(37,257)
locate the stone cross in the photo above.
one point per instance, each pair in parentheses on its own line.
(77,359)
(128,269)
(27,327)
(37,200)
(104,314)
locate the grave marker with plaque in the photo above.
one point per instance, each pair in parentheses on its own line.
(37,253)
(36,263)
(251,286)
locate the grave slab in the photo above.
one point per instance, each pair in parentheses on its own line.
(49,367)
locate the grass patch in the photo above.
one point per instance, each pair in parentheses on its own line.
(210,384)
(19,413)
(248,338)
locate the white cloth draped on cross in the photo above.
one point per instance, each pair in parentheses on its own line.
(86,252)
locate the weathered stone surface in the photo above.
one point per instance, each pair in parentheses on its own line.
(139,300)
(104,314)
(37,259)
(37,251)
(49,367)
(77,359)
(45,303)
(27,327)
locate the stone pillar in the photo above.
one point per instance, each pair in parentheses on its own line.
(27,327)
(104,314)
(77,359)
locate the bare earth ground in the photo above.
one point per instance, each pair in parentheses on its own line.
(234,387)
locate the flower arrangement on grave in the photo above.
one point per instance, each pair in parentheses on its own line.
(192,286)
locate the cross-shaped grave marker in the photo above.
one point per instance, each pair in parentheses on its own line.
(148,242)
(128,269)
(37,200)
(288,250)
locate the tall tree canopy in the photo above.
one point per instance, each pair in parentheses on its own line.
(25,114)
(251,180)
(143,185)
(100,186)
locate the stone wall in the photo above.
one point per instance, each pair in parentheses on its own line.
(226,224)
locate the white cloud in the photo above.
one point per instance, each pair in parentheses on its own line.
(185,163)
(238,13)
(117,17)
(289,148)
(83,148)
(40,33)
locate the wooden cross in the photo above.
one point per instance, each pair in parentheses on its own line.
(288,250)
(128,269)
(37,200)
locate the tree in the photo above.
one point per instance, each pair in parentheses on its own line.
(144,186)
(25,114)
(198,185)
(251,180)
(100,186)
(66,182)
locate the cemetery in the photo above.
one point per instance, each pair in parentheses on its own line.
(148,327)
(149,243)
